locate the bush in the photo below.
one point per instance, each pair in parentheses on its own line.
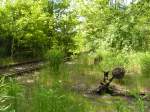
(55,58)
(145,65)
(112,60)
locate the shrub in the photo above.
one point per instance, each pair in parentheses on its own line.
(112,60)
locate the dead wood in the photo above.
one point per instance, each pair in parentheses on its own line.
(105,87)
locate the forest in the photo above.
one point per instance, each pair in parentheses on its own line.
(74,55)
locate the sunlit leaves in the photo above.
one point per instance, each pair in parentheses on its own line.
(115,27)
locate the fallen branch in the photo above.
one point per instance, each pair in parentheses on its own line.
(105,87)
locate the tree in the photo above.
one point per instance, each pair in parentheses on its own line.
(109,27)
(65,26)
(38,25)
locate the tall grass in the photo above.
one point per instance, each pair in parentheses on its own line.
(43,98)
(144,76)
(15,90)
(55,59)
(121,106)
(145,65)
(10,95)
(55,99)
(3,96)
(140,105)
(110,60)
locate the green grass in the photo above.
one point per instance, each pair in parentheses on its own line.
(64,90)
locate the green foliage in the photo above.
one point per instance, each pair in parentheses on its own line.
(3,96)
(33,27)
(15,91)
(55,57)
(110,27)
(41,99)
(145,65)
(10,95)
(112,60)
(2,51)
